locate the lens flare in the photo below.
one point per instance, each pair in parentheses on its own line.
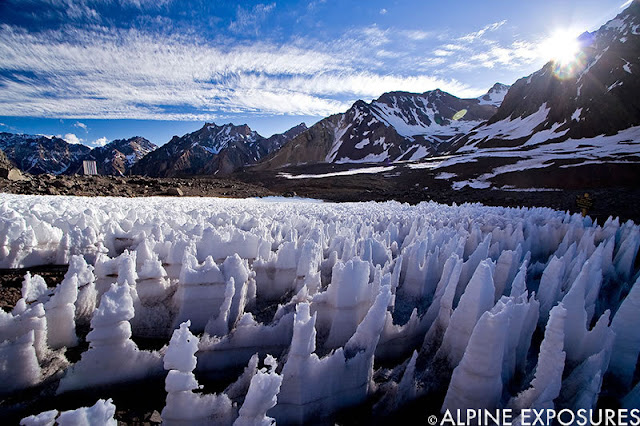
(562,47)
(458,115)
(564,50)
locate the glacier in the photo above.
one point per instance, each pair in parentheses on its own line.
(267,311)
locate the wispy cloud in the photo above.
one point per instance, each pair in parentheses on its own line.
(81,126)
(625,4)
(313,4)
(129,74)
(443,52)
(480,33)
(417,35)
(249,20)
(383,11)
(141,4)
(480,49)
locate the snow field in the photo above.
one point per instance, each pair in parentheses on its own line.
(324,306)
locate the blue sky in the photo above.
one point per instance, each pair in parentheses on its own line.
(96,70)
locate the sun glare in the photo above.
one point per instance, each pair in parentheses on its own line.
(564,50)
(562,47)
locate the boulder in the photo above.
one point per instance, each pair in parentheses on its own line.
(12,174)
(175,192)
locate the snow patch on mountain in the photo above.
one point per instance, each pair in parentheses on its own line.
(509,129)
(622,147)
(358,171)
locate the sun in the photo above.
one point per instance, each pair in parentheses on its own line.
(562,47)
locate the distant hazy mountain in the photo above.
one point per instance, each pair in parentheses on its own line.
(396,126)
(44,154)
(116,157)
(211,150)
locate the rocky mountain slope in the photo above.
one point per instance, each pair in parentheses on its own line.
(5,163)
(276,141)
(41,154)
(567,124)
(117,157)
(211,150)
(596,94)
(397,126)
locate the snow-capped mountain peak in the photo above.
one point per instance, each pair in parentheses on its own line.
(398,126)
(213,149)
(495,95)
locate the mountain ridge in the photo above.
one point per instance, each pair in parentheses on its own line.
(592,97)
(398,126)
(39,154)
(117,157)
(212,150)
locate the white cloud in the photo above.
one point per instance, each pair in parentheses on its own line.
(107,73)
(442,52)
(128,75)
(432,62)
(454,46)
(142,4)
(374,35)
(72,138)
(382,53)
(100,141)
(81,126)
(625,4)
(383,11)
(364,84)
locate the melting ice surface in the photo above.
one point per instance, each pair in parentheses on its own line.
(311,308)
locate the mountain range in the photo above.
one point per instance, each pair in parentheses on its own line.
(41,154)
(563,115)
(398,126)
(116,157)
(212,150)
(38,154)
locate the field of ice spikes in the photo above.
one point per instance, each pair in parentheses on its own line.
(306,309)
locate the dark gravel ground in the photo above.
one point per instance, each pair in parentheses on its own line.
(614,192)
(133,186)
(615,189)
(11,281)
